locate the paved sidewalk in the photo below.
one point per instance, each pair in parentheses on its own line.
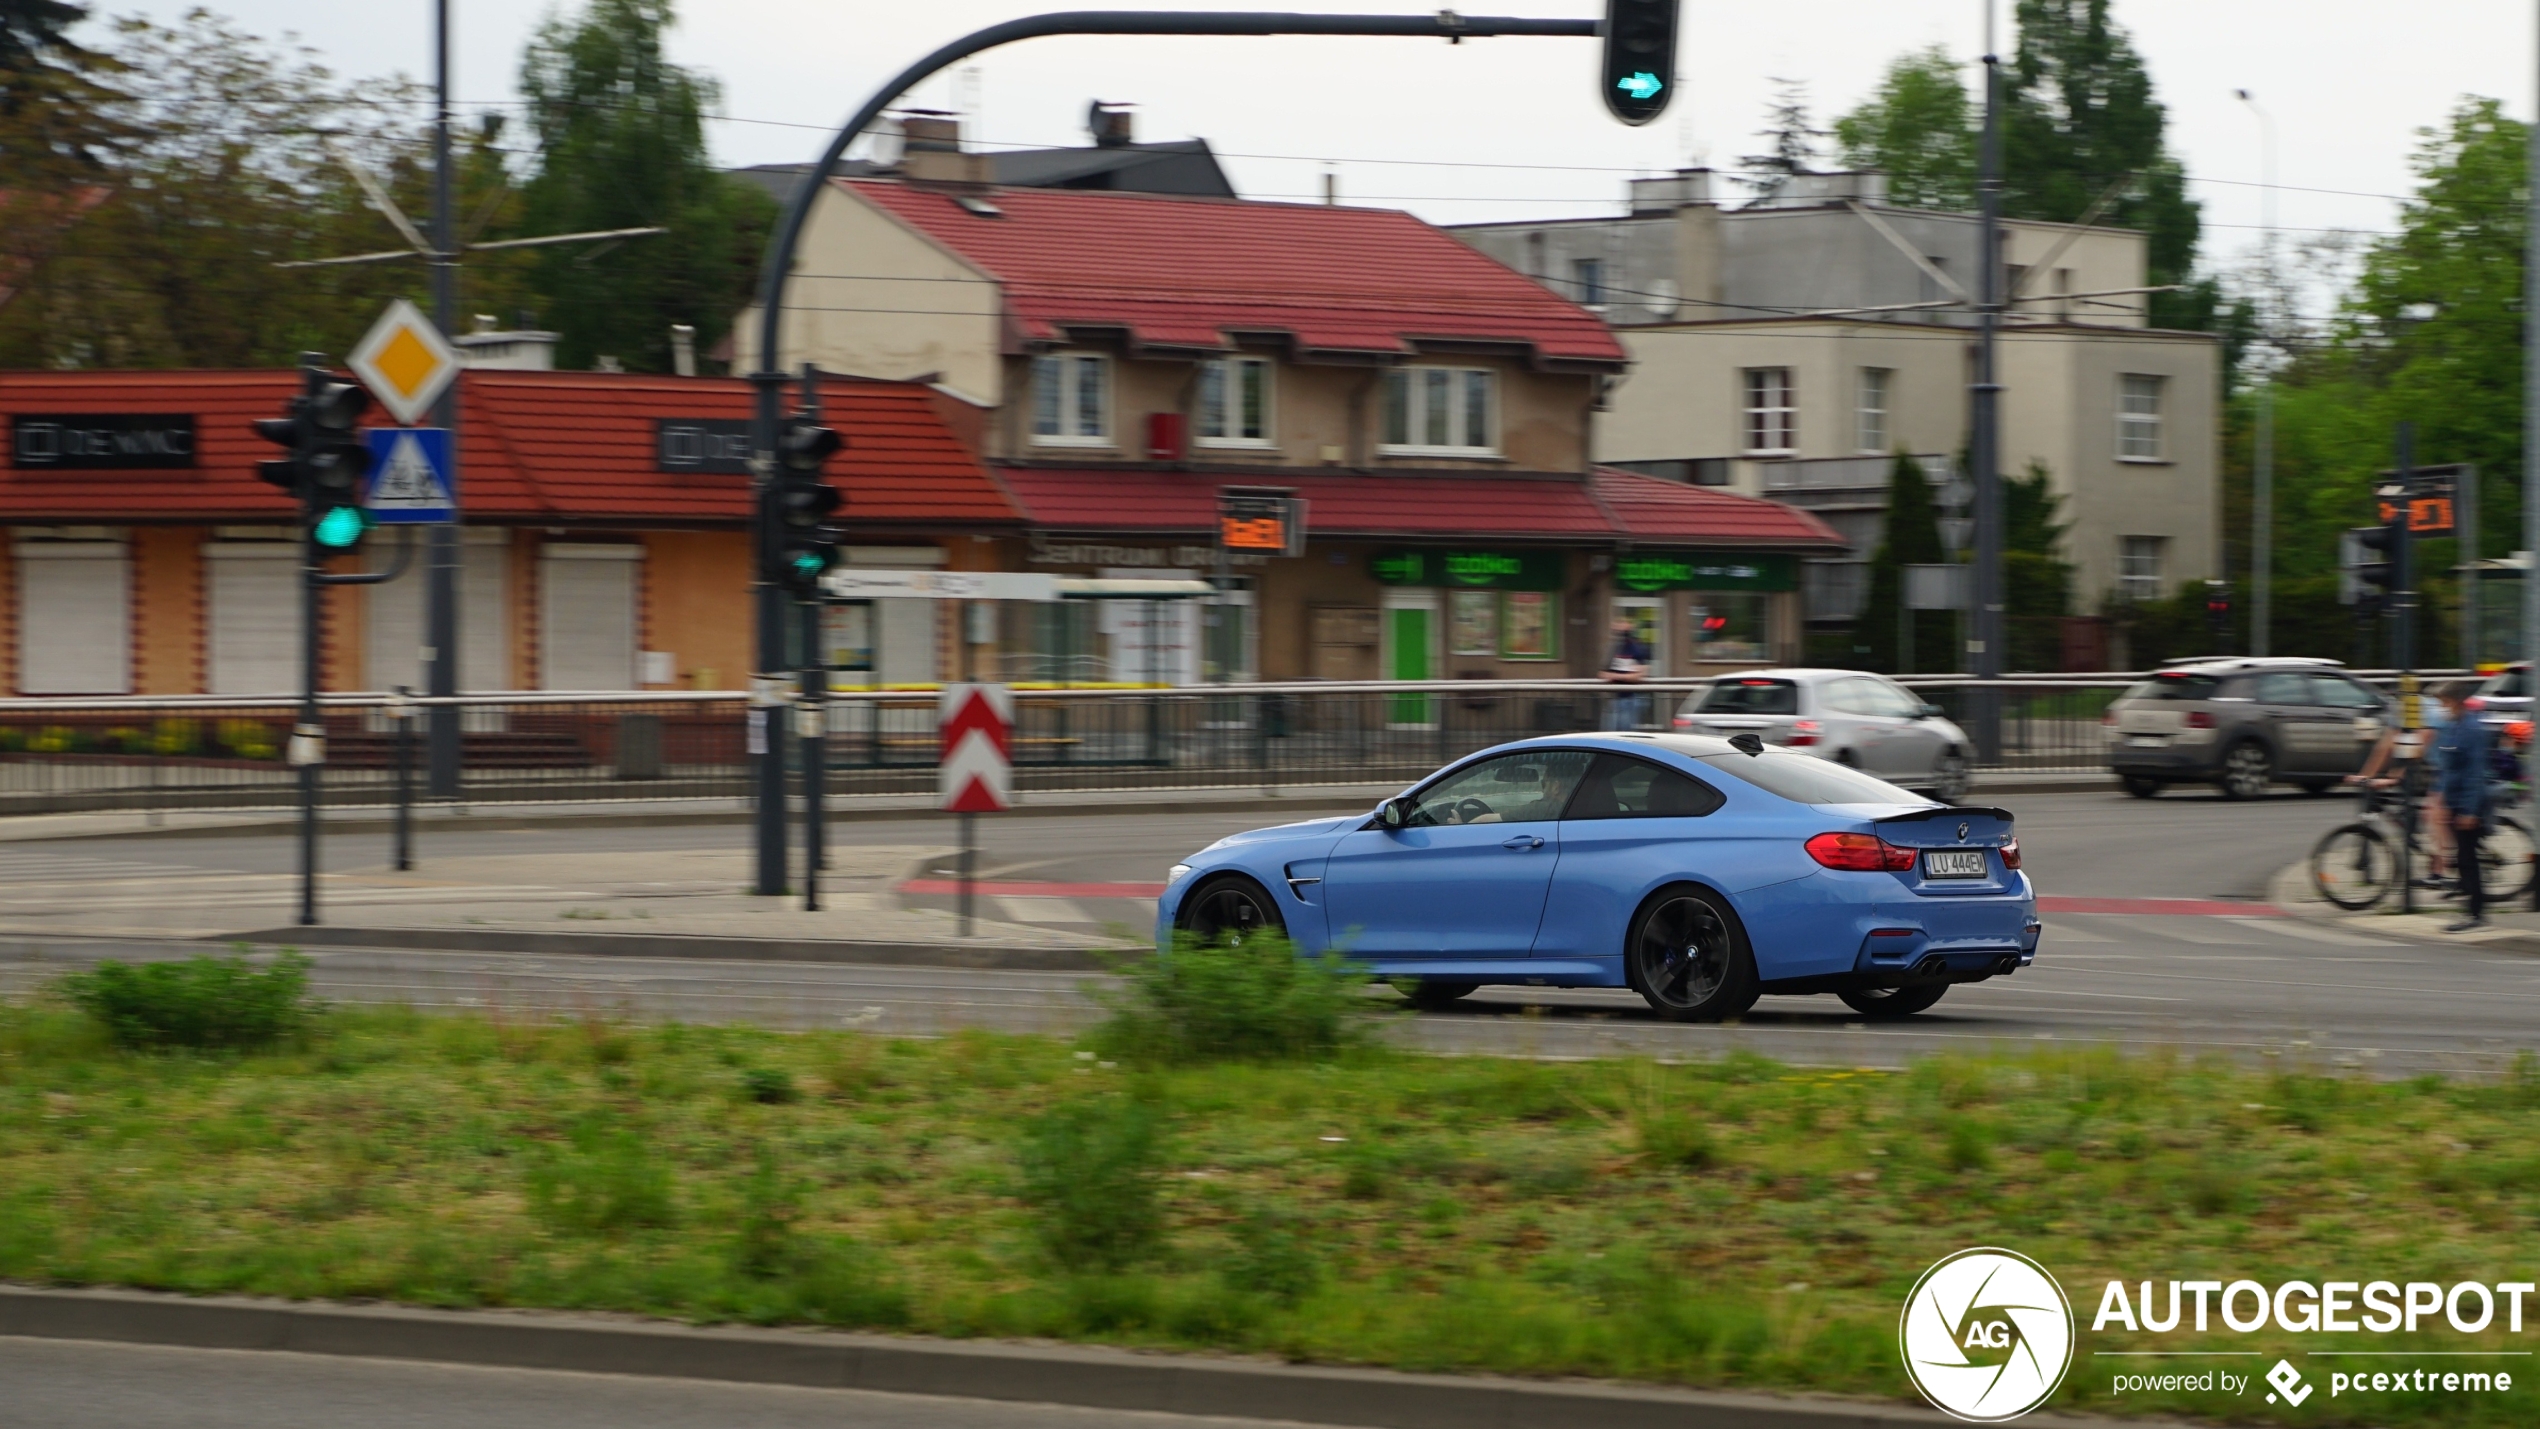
(2514,930)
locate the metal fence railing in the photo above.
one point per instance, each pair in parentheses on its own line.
(211,752)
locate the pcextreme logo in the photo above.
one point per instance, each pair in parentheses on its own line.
(1986,1335)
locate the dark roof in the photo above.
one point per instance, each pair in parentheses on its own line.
(535,447)
(1189,274)
(1184,166)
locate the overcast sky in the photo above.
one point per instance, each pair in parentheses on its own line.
(1512,128)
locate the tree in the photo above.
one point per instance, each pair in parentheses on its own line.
(57,125)
(1912,538)
(1919,129)
(2037,582)
(1793,139)
(621,138)
(2079,118)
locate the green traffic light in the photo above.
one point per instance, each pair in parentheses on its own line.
(810,563)
(341,527)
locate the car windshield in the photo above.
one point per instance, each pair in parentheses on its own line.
(1803,780)
(1754,697)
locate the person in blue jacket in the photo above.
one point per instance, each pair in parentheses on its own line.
(2461,781)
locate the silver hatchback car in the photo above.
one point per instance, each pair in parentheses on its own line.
(2242,724)
(1849,716)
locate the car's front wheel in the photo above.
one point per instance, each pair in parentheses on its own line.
(1950,777)
(1229,910)
(2139,786)
(1430,994)
(1880,1004)
(1687,957)
(2247,770)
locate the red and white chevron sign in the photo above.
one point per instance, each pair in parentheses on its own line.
(976,723)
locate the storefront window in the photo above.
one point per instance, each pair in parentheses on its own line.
(1727,624)
(1529,625)
(1472,624)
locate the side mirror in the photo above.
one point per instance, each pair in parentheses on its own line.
(1930,711)
(1390,813)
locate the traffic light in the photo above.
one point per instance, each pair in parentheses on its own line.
(2366,575)
(1639,74)
(328,460)
(806,543)
(2217,612)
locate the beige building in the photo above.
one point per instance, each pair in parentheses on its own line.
(1787,347)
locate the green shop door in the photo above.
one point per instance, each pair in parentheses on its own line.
(1409,628)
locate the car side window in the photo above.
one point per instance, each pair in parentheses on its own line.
(1895,700)
(1619,787)
(2338,692)
(1511,789)
(2283,687)
(1849,696)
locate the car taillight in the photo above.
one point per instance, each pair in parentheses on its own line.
(1683,723)
(2011,854)
(2200,719)
(1804,732)
(1860,853)
(2108,715)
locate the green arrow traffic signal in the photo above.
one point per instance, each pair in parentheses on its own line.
(1640,85)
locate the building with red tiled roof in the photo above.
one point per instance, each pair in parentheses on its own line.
(606,541)
(1134,355)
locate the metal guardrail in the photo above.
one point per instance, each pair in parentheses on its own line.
(206,751)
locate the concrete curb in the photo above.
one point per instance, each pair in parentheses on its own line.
(1030,1373)
(2291,892)
(678,945)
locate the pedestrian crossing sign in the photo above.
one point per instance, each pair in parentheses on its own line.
(410,477)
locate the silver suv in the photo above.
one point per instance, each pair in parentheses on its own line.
(2244,724)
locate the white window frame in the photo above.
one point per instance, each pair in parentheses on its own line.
(1069,369)
(2139,427)
(1761,419)
(2134,583)
(1223,379)
(1873,391)
(1410,388)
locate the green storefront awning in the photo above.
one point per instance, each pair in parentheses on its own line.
(1704,570)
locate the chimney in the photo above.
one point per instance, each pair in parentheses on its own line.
(683,349)
(1111,124)
(934,155)
(522,349)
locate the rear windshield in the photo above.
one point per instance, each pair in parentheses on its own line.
(1757,697)
(1803,780)
(2176,687)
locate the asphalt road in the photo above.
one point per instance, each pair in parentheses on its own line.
(69,1384)
(2249,984)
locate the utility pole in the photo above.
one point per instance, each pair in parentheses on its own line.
(2531,408)
(1984,414)
(2262,465)
(441,583)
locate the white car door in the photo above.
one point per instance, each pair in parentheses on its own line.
(1913,746)
(1853,722)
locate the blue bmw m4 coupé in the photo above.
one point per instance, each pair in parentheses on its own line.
(1701,873)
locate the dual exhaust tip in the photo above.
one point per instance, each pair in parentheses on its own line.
(1933,965)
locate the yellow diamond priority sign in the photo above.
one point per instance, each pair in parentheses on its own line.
(405,362)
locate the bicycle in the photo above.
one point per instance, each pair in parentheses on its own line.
(2355,865)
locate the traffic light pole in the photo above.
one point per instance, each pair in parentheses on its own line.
(776,272)
(441,588)
(1985,421)
(308,737)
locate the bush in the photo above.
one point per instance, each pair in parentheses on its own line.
(1092,1169)
(768,1084)
(203,1002)
(1255,1002)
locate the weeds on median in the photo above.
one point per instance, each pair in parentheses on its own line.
(205,1003)
(1253,1001)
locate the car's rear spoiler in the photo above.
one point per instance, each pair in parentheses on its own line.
(1941,811)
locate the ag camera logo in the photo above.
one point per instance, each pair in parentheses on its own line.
(1986,1335)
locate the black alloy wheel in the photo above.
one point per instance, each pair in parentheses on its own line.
(1881,1004)
(1688,959)
(1228,912)
(2247,770)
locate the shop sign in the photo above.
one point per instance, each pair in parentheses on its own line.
(1490,570)
(102,441)
(1704,570)
(716,446)
(1046,552)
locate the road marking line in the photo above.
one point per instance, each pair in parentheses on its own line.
(2291,929)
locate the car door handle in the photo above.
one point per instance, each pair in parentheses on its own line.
(1524,842)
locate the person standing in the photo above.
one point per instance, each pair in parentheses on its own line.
(1627,665)
(2461,781)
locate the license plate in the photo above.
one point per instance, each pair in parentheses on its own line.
(2141,740)
(1954,863)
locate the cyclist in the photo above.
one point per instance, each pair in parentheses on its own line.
(2462,792)
(2409,747)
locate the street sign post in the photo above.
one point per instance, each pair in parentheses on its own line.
(976,775)
(411,483)
(405,362)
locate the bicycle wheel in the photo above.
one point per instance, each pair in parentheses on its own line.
(2504,861)
(2352,867)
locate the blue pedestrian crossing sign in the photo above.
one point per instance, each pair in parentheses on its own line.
(410,482)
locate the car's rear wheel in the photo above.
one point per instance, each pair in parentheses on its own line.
(2139,786)
(2247,770)
(1880,1004)
(1687,957)
(1429,994)
(2316,787)
(1229,910)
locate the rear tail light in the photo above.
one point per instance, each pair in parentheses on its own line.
(2108,715)
(2200,719)
(1860,853)
(1683,723)
(1804,732)
(2011,854)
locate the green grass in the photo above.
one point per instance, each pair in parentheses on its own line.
(1734,1223)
